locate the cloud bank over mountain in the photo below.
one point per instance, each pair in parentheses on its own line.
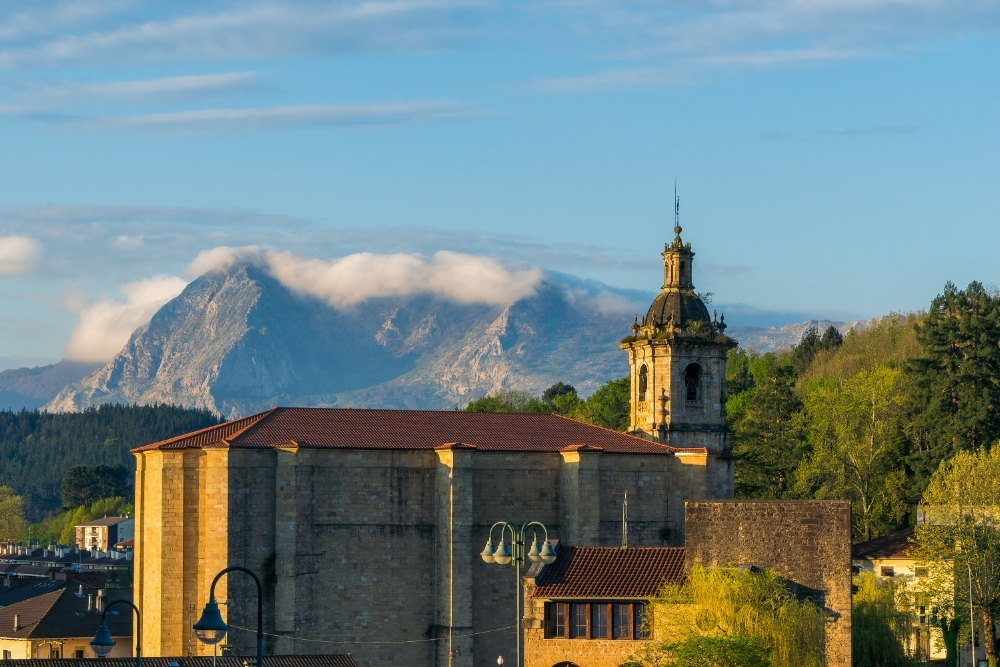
(343,282)
(106,325)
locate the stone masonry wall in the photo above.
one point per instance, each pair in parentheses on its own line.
(807,541)
(357,547)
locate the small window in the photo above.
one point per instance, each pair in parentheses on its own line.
(557,619)
(643,382)
(78,654)
(642,622)
(621,616)
(922,615)
(888,571)
(599,621)
(578,621)
(6,655)
(54,653)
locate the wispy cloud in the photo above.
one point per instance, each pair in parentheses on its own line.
(224,120)
(260,30)
(607,80)
(877,131)
(171,86)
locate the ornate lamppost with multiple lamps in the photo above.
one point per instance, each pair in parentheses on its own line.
(514,555)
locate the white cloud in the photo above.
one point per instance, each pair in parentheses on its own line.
(223,257)
(352,279)
(106,325)
(17,254)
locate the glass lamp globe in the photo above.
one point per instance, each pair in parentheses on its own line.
(547,554)
(487,554)
(102,644)
(210,628)
(534,555)
(502,554)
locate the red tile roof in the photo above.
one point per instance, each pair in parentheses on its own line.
(896,544)
(412,429)
(610,572)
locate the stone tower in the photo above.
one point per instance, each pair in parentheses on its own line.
(677,356)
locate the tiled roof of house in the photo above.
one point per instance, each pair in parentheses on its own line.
(610,572)
(106,521)
(896,544)
(333,660)
(63,613)
(412,429)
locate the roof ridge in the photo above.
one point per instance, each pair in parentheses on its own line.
(56,596)
(250,419)
(611,430)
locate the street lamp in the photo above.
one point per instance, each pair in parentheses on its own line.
(210,628)
(514,555)
(102,644)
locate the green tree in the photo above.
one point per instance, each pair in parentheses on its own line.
(85,484)
(37,448)
(857,448)
(753,612)
(812,344)
(962,533)
(722,651)
(768,436)
(12,522)
(608,406)
(954,383)
(880,623)
(508,400)
(561,398)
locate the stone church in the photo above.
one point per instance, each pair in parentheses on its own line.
(366,525)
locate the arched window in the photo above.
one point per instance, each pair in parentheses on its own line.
(564,664)
(643,382)
(692,381)
(681,272)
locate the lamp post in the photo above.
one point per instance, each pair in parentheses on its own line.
(502,555)
(102,644)
(210,628)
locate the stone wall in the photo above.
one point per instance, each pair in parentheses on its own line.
(363,546)
(807,541)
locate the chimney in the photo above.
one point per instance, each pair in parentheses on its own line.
(17,622)
(81,591)
(100,600)
(90,603)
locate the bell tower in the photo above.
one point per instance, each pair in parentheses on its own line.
(677,356)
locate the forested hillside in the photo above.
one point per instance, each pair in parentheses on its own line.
(37,449)
(870,416)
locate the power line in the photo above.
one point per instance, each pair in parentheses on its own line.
(408,641)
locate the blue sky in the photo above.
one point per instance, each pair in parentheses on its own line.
(834,159)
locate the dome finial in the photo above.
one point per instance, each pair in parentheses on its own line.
(677,213)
